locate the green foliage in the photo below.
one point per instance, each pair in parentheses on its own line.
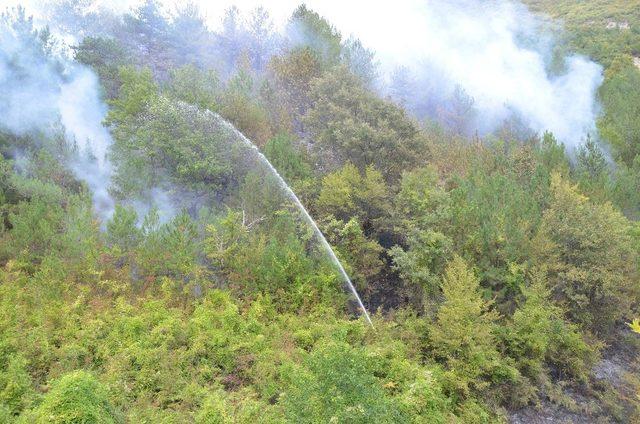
(105,56)
(424,260)
(421,202)
(176,141)
(76,397)
(278,264)
(538,337)
(594,27)
(529,335)
(307,28)
(214,411)
(337,386)
(350,193)
(239,315)
(359,60)
(494,216)
(422,211)
(225,238)
(260,195)
(620,96)
(242,107)
(34,227)
(122,230)
(351,124)
(137,89)
(16,385)
(552,154)
(170,249)
(623,193)
(359,254)
(287,158)
(462,336)
(590,257)
(592,170)
(293,75)
(191,85)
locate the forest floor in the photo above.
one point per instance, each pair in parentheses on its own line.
(617,372)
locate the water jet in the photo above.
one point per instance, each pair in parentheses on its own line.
(309,220)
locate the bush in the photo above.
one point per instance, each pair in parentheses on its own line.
(336,385)
(76,398)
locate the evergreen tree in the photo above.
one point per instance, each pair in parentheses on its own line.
(462,336)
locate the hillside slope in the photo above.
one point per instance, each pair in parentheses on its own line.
(602,29)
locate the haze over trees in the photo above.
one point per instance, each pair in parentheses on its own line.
(500,267)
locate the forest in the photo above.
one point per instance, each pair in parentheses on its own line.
(154,269)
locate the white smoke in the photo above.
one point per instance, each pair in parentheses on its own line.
(82,113)
(496,50)
(40,89)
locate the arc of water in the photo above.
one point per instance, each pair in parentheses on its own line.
(305,213)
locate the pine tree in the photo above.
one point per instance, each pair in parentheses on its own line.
(462,336)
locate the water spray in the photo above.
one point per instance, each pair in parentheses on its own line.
(325,244)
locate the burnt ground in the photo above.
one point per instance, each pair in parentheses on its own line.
(612,397)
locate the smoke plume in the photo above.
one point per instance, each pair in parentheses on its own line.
(495,55)
(496,52)
(41,89)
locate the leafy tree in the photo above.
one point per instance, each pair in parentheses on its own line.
(287,158)
(457,114)
(137,90)
(552,154)
(281,267)
(292,75)
(240,105)
(232,40)
(349,123)
(191,85)
(147,32)
(105,56)
(592,264)
(278,263)
(529,333)
(191,41)
(215,410)
(349,193)
(537,337)
(359,253)
(264,41)
(424,260)
(623,193)
(261,196)
(35,227)
(422,203)
(175,142)
(620,96)
(359,60)
(224,239)
(16,385)
(493,218)
(169,249)
(592,170)
(308,28)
